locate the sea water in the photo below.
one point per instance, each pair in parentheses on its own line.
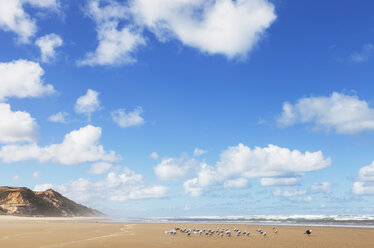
(363,221)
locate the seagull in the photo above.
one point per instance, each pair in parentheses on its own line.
(264,234)
(308,232)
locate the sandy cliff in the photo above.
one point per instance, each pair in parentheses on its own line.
(25,202)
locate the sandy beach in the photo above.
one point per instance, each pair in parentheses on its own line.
(79,233)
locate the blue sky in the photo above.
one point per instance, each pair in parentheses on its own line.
(170,108)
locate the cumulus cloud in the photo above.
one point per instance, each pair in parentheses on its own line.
(324,187)
(272,164)
(78,146)
(123,186)
(99,168)
(14,18)
(88,103)
(226,27)
(365,182)
(116,45)
(175,168)
(129,119)
(198,152)
(58,117)
(16,126)
(43,187)
(192,188)
(22,78)
(47,45)
(230,28)
(344,113)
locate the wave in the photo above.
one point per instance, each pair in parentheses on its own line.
(310,220)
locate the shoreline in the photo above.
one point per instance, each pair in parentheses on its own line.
(41,218)
(110,219)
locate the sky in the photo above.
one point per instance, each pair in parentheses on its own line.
(190,107)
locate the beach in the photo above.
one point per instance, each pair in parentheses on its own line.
(80,233)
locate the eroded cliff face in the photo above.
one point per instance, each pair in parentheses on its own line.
(25,202)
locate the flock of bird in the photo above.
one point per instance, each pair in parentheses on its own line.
(221,232)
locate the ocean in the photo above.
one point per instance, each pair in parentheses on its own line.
(366,221)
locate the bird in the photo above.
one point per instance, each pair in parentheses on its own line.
(308,232)
(264,234)
(276,231)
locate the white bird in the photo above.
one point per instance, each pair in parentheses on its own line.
(264,234)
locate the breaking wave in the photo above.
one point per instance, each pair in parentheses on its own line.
(309,220)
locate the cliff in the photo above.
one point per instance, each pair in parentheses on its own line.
(22,201)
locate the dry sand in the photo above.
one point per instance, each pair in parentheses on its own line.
(52,233)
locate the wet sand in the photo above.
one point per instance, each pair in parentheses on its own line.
(79,233)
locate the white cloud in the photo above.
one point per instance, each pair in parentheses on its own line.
(78,146)
(344,113)
(14,18)
(278,181)
(365,182)
(36,174)
(154,156)
(99,168)
(88,103)
(59,117)
(290,192)
(363,188)
(16,126)
(47,44)
(365,54)
(129,119)
(43,187)
(116,45)
(236,183)
(22,78)
(15,178)
(123,186)
(192,188)
(273,164)
(231,28)
(199,152)
(173,169)
(324,187)
(308,199)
